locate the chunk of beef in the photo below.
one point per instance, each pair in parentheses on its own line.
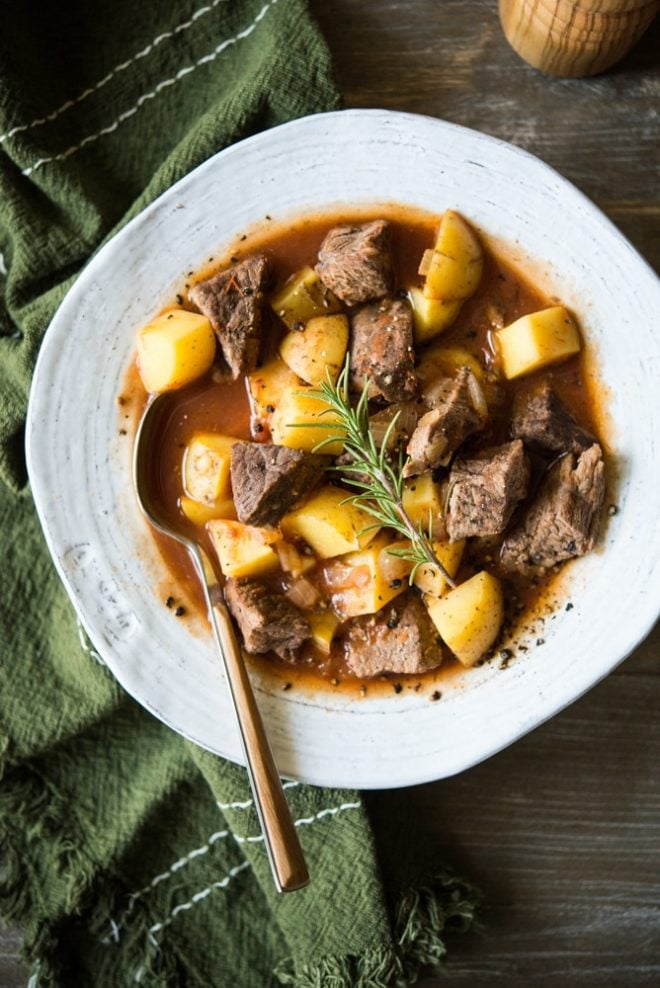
(485,489)
(460,410)
(267,479)
(267,621)
(542,421)
(381,350)
(563,519)
(399,638)
(233,301)
(355,261)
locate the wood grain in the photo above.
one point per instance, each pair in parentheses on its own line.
(562,830)
(574,38)
(451,60)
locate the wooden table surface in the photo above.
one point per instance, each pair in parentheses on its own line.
(562,830)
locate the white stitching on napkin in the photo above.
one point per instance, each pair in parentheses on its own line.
(113,72)
(115,926)
(154,92)
(303,821)
(34,978)
(183,906)
(249,802)
(223,883)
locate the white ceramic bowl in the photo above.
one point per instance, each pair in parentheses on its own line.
(80,467)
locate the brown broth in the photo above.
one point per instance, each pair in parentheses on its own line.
(224,407)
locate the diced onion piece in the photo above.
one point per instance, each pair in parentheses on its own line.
(477,396)
(494,394)
(337,575)
(340,576)
(404,427)
(434,392)
(372,591)
(302,593)
(290,558)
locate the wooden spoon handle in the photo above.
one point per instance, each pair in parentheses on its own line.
(280,835)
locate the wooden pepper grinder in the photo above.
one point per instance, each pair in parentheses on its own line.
(574,37)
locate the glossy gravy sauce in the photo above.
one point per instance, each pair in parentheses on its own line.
(206,405)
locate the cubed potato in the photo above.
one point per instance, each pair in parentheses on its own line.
(446,361)
(175,349)
(422,500)
(537,340)
(302,421)
(318,350)
(371,588)
(206,462)
(457,262)
(431,316)
(243,550)
(469,618)
(429,579)
(328,526)
(267,385)
(302,297)
(324,625)
(199,513)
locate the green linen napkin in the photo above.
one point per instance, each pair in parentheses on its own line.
(131,856)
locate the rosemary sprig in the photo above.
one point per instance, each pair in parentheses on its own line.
(378,481)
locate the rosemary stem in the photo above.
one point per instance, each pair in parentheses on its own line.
(381,493)
(425,544)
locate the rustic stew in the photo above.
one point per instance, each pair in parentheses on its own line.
(470,395)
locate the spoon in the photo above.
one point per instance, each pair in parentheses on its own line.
(283,847)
